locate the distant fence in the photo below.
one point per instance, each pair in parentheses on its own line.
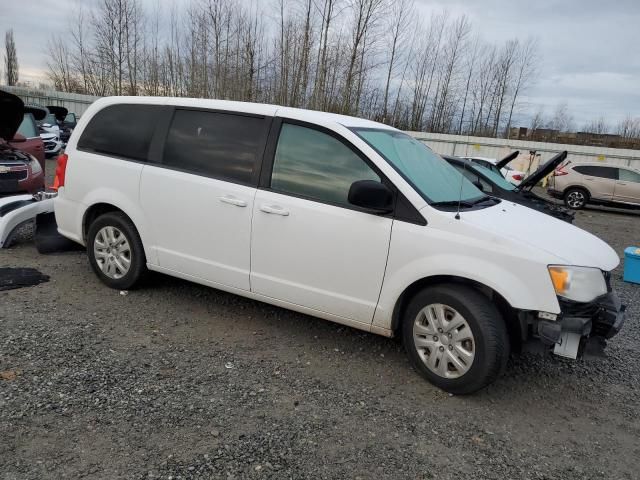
(466,146)
(460,145)
(74,102)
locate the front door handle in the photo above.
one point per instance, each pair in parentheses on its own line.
(623,184)
(231,200)
(274,209)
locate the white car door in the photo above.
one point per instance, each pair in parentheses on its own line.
(309,246)
(199,200)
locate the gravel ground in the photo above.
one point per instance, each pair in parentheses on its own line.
(177,380)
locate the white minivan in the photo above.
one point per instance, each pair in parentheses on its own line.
(337,217)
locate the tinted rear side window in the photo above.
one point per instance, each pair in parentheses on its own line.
(121,130)
(218,145)
(595,171)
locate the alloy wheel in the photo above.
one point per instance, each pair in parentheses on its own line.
(112,252)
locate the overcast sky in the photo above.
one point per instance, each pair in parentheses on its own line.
(589,49)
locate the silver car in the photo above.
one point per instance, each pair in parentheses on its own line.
(595,183)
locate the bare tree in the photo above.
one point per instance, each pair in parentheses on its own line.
(561,119)
(398,24)
(629,128)
(598,126)
(374,58)
(526,62)
(537,121)
(11,66)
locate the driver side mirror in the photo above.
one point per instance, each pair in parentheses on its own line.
(371,195)
(18,138)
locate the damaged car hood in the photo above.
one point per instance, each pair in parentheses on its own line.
(11,115)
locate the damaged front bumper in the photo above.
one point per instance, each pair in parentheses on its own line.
(18,210)
(581,327)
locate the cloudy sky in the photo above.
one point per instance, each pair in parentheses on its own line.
(590,49)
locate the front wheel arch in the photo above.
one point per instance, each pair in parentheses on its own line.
(509,314)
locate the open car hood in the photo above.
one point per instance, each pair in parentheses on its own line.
(506,160)
(542,171)
(11,115)
(59,112)
(38,112)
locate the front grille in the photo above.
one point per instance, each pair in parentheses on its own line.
(14,175)
(49,145)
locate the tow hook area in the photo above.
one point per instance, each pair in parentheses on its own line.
(582,329)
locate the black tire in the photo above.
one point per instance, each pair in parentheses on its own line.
(576,198)
(491,341)
(138,267)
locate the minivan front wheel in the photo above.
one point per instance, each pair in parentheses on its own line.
(575,198)
(455,338)
(115,251)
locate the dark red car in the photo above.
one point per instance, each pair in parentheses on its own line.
(20,169)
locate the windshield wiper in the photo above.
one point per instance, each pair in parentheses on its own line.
(483,199)
(453,203)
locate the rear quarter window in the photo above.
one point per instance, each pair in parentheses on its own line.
(121,130)
(597,171)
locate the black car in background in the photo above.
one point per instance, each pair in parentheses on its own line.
(491,182)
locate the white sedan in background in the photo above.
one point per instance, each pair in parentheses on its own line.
(513,176)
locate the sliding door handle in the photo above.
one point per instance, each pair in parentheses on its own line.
(274,209)
(231,200)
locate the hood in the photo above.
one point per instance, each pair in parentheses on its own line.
(506,160)
(11,115)
(38,112)
(542,171)
(59,112)
(569,244)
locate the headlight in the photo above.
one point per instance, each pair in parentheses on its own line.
(36,169)
(580,284)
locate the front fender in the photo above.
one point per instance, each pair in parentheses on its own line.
(417,253)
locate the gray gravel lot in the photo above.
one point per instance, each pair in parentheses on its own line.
(177,380)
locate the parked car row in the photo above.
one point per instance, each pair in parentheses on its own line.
(31,133)
(488,178)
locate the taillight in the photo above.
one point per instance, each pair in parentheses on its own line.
(61,169)
(517,176)
(558,172)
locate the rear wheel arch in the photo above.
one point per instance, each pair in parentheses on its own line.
(95,211)
(509,313)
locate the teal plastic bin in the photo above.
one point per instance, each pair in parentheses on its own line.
(632,265)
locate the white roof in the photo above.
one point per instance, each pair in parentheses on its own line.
(312,116)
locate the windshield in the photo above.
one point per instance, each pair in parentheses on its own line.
(28,127)
(494,176)
(427,172)
(50,119)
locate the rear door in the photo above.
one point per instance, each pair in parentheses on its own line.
(199,198)
(627,186)
(309,246)
(599,180)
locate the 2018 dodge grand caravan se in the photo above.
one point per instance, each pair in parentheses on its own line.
(338,217)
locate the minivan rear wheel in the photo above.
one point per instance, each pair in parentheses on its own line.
(115,251)
(455,338)
(576,198)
